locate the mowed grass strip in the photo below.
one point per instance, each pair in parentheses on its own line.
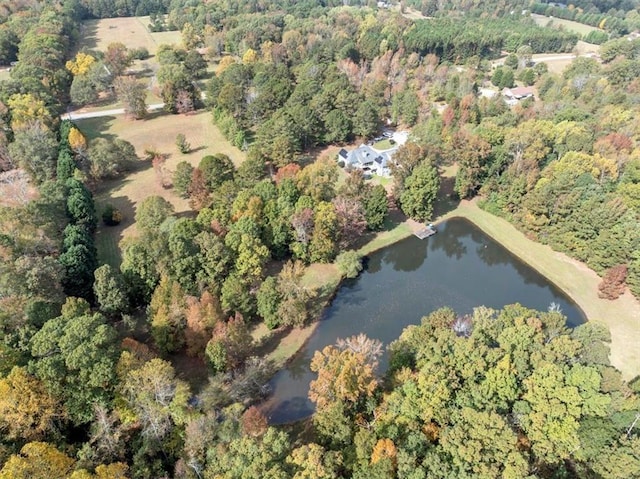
(570,25)
(580,283)
(157,133)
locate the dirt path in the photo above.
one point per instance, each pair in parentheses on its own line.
(580,283)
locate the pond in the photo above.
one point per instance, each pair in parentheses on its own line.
(460,267)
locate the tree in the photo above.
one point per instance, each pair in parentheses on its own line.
(110,158)
(216,169)
(182,178)
(80,64)
(202,316)
(365,120)
(337,127)
(83,90)
(229,345)
(74,355)
(27,411)
(110,291)
(322,247)
(181,143)
(79,262)
(174,78)
(158,398)
(420,191)
(343,375)
(472,154)
(376,207)
(268,299)
(116,59)
(27,110)
(315,462)
(35,149)
(152,212)
(77,141)
(195,64)
(318,180)
(133,96)
(167,315)
(37,460)
(293,309)
(405,160)
(524,54)
(349,264)
(351,220)
(248,457)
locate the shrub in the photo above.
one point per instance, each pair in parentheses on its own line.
(139,53)
(613,283)
(349,264)
(111,216)
(181,142)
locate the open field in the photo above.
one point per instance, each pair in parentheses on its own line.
(132,31)
(580,283)
(569,25)
(158,132)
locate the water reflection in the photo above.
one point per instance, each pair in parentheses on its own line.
(459,267)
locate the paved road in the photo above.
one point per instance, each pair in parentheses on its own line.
(97,114)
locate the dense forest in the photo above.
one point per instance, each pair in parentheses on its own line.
(88,352)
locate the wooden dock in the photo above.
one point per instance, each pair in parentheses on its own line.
(425,232)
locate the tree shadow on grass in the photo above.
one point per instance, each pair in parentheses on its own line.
(447,200)
(93,128)
(270,342)
(89,35)
(108,238)
(394,218)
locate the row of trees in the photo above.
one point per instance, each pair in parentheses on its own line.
(510,393)
(498,393)
(243,221)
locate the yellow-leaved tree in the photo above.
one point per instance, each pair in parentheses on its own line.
(77,141)
(37,460)
(80,64)
(25,110)
(27,410)
(225,63)
(250,56)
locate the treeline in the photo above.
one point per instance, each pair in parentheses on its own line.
(617,22)
(565,170)
(454,40)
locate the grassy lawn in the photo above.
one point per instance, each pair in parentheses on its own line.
(157,132)
(383,145)
(132,31)
(580,283)
(569,25)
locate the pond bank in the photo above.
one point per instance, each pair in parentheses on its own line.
(622,316)
(580,283)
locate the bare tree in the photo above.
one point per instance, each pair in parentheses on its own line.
(133,95)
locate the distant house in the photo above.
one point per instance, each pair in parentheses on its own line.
(514,95)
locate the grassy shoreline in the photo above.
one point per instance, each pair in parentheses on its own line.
(576,280)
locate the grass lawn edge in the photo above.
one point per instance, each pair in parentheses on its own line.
(575,279)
